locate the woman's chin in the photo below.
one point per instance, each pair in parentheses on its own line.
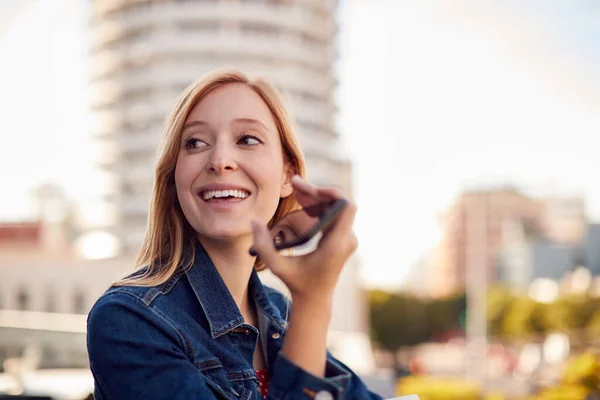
(225,235)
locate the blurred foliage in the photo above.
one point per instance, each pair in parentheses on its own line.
(499,300)
(564,392)
(436,388)
(522,318)
(494,396)
(580,380)
(399,320)
(593,326)
(514,315)
(583,370)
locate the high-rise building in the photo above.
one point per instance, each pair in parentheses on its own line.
(503,214)
(145,52)
(492,209)
(564,219)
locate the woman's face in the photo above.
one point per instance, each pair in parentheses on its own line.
(230,168)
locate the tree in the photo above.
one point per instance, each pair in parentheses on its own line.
(522,318)
(499,301)
(397,320)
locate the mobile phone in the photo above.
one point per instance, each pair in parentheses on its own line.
(300,231)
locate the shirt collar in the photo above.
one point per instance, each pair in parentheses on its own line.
(221,311)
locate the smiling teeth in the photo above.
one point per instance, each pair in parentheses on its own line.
(240,194)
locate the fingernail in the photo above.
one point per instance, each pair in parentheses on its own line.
(253,252)
(297,178)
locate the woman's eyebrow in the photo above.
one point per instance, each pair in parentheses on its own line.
(191,124)
(250,121)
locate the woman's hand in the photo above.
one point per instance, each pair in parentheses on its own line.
(312,276)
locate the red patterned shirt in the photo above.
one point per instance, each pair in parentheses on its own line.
(263,382)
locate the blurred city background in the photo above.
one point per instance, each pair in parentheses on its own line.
(466,131)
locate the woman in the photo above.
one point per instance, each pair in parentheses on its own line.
(195,322)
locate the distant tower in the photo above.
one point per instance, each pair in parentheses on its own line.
(54,211)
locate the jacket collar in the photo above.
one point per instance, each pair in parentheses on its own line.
(221,311)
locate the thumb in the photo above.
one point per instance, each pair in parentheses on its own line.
(263,245)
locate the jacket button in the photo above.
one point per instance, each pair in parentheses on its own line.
(276,336)
(323,395)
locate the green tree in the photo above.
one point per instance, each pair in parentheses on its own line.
(444,315)
(522,318)
(593,325)
(499,301)
(397,320)
(557,316)
(579,382)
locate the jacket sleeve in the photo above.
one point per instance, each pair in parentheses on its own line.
(290,382)
(136,354)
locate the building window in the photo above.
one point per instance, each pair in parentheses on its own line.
(198,26)
(23,299)
(50,304)
(257,29)
(79,303)
(309,40)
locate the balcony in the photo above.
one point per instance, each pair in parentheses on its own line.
(289,18)
(227,44)
(157,107)
(139,143)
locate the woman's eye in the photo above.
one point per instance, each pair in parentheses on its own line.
(193,143)
(249,140)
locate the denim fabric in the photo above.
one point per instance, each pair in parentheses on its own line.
(186,339)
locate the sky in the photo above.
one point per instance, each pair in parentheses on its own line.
(46,129)
(442,96)
(434,97)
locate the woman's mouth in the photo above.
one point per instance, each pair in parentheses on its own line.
(231,195)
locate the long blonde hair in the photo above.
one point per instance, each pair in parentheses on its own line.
(170,239)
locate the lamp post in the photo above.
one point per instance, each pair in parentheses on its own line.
(476,287)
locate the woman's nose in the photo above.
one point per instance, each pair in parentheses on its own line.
(222,158)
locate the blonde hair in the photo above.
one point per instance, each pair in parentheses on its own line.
(170,239)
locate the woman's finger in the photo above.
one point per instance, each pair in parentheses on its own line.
(304,192)
(306,200)
(341,231)
(263,246)
(303,186)
(308,194)
(331,193)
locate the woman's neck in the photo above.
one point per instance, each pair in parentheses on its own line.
(235,265)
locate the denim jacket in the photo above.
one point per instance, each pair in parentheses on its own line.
(186,339)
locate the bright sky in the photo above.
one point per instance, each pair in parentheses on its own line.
(438,98)
(44,97)
(432,99)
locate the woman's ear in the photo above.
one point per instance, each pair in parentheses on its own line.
(286,185)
